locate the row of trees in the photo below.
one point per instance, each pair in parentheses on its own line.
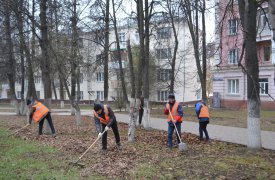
(56,24)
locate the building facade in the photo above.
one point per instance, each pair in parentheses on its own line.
(229,81)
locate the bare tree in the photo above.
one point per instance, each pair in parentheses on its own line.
(272,15)
(192,10)
(248,16)
(9,53)
(133,104)
(118,57)
(106,49)
(45,60)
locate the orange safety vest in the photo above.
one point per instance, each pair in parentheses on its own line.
(204,113)
(40,111)
(174,112)
(105,120)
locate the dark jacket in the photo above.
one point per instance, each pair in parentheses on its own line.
(102,115)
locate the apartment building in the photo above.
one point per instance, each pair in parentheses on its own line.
(229,81)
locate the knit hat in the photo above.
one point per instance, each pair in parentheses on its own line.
(171,96)
(29,102)
(97,107)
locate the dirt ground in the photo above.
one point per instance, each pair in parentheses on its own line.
(148,158)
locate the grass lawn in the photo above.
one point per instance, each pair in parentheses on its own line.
(225,117)
(27,156)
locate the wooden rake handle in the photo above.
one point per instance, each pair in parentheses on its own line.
(18,130)
(90,147)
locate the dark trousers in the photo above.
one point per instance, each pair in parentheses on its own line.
(104,136)
(171,129)
(202,128)
(140,115)
(49,119)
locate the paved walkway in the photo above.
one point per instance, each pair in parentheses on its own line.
(223,133)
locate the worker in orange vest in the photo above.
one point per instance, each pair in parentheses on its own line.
(176,120)
(38,113)
(104,116)
(203,116)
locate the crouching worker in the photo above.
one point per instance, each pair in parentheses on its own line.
(174,120)
(203,116)
(104,116)
(38,113)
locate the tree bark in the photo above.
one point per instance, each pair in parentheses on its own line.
(133,104)
(140,17)
(173,62)
(248,14)
(11,64)
(45,60)
(146,121)
(106,52)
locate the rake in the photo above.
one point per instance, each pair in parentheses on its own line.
(182,145)
(18,130)
(76,162)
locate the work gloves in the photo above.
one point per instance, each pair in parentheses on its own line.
(106,128)
(100,134)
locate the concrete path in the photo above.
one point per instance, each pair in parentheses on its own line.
(222,133)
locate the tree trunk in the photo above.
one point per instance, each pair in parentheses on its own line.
(140,17)
(133,108)
(54,90)
(31,57)
(106,52)
(118,57)
(11,64)
(204,62)
(45,60)
(248,13)
(173,62)
(61,92)
(146,121)
(20,19)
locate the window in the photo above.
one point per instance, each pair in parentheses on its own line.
(164,33)
(263,86)
(38,94)
(263,20)
(267,52)
(100,77)
(18,81)
(164,74)
(100,95)
(99,59)
(233,86)
(163,95)
(37,79)
(18,94)
(122,41)
(233,56)
(163,53)
(80,78)
(80,94)
(198,94)
(233,26)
